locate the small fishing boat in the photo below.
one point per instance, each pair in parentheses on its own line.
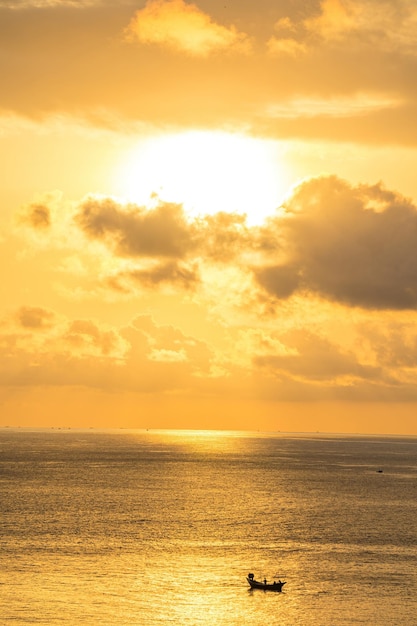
(256,584)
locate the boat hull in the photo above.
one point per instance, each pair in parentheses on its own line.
(256,584)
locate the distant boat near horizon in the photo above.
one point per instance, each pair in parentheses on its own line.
(256,584)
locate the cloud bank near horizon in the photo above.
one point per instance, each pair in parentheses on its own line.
(334,250)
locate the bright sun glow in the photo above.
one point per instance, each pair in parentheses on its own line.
(207,172)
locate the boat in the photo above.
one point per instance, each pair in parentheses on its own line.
(256,584)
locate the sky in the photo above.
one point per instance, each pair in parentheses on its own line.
(209,214)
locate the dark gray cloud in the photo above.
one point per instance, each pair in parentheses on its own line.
(354,245)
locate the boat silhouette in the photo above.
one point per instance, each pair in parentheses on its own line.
(257,584)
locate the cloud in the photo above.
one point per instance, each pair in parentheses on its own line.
(386,23)
(116,249)
(337,18)
(168,356)
(163,245)
(346,244)
(223,236)
(286,46)
(35,318)
(353,245)
(315,359)
(296,38)
(360,104)
(171,272)
(393,344)
(276,361)
(280,280)
(43,79)
(47,221)
(87,338)
(60,352)
(380,26)
(184,27)
(164,356)
(41,349)
(142,357)
(36,215)
(135,231)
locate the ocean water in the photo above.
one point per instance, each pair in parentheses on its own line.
(136,527)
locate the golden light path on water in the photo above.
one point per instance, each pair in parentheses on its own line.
(214,572)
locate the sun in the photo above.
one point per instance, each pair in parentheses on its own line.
(207,172)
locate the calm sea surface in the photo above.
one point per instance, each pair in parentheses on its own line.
(135,527)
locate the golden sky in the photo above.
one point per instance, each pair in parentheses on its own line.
(209,214)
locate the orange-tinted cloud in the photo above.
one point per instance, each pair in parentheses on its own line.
(315,359)
(163,231)
(86,337)
(184,27)
(336,51)
(160,273)
(388,24)
(347,244)
(337,18)
(134,231)
(351,245)
(286,46)
(140,357)
(34,318)
(37,215)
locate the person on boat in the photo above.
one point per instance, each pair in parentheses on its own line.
(264,581)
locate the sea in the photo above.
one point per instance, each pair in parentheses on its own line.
(137,527)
